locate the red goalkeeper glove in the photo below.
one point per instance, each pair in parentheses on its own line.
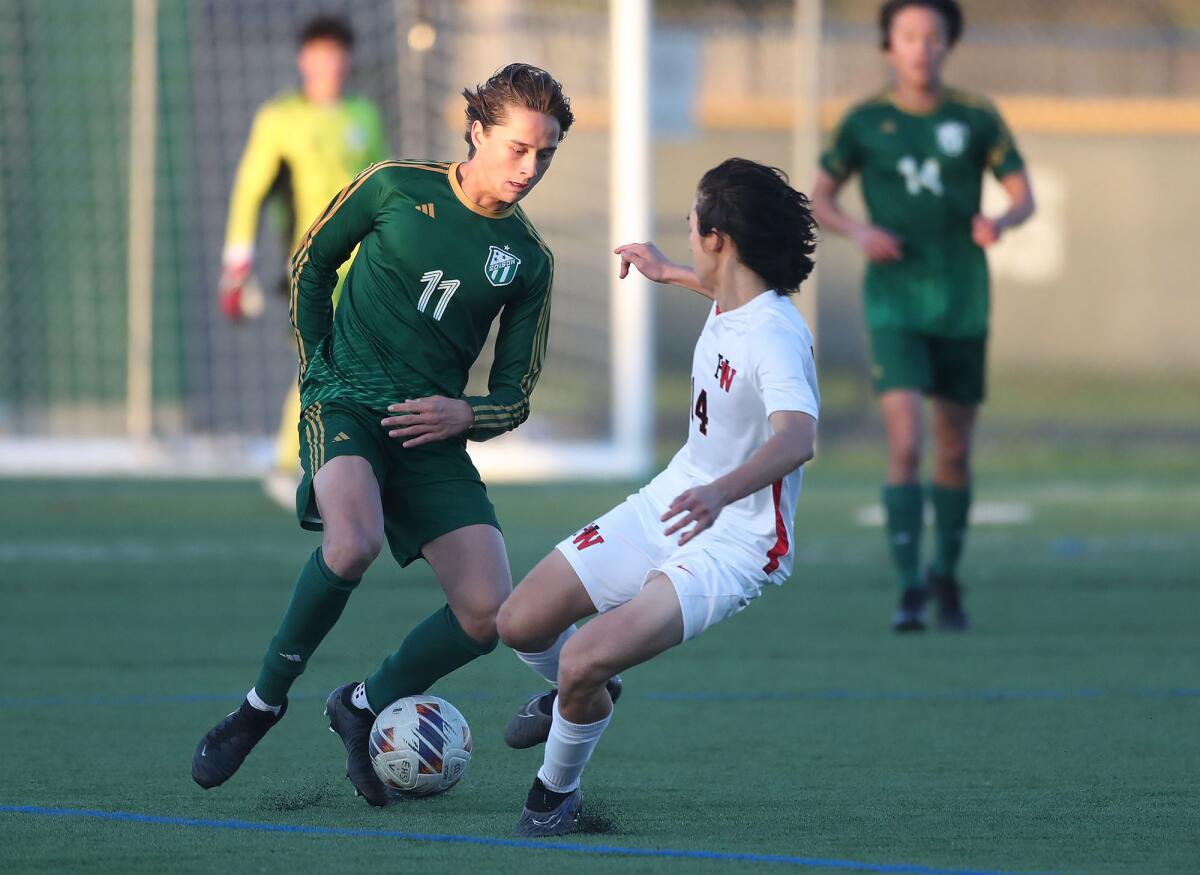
(238,294)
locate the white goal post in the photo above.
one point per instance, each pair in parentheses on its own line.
(628,450)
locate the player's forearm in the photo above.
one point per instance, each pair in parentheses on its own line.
(312,310)
(1017,214)
(1020,201)
(781,455)
(250,189)
(325,248)
(685,277)
(516,363)
(241,227)
(830,217)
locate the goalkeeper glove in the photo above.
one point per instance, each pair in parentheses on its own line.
(239,294)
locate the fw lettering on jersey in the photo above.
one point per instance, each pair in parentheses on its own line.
(724,373)
(589,537)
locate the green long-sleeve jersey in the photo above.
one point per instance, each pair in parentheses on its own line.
(432,273)
(922,177)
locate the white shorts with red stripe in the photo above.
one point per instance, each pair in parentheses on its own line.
(616,556)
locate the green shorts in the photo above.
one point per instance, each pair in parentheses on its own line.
(944,367)
(428,491)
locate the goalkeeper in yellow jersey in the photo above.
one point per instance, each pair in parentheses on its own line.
(311,143)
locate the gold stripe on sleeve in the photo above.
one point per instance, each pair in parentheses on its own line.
(310,437)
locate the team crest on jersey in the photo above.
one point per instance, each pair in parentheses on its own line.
(501,266)
(952,138)
(724,373)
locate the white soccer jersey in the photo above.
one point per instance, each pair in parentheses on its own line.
(749,363)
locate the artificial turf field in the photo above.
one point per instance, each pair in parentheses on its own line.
(1062,734)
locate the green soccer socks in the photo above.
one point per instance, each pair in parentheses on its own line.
(317,603)
(434,648)
(950,510)
(904,512)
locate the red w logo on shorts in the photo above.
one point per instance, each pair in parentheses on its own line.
(588,537)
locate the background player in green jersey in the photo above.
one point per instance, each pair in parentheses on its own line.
(921,149)
(443,250)
(305,145)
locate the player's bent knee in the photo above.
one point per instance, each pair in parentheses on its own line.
(481,629)
(954,457)
(904,462)
(578,669)
(479,622)
(905,453)
(511,628)
(349,553)
(518,627)
(520,634)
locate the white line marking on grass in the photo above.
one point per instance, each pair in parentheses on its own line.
(1068,491)
(983,513)
(135,551)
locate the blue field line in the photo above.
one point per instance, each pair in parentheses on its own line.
(1051,695)
(489,841)
(931,695)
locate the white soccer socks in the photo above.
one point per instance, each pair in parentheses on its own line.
(568,750)
(546,663)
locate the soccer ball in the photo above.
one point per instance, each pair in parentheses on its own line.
(420,745)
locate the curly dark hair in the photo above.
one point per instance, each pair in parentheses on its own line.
(950,11)
(770,223)
(329,27)
(522,85)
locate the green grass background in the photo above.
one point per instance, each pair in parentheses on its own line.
(1060,734)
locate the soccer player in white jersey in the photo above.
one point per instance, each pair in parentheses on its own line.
(700,541)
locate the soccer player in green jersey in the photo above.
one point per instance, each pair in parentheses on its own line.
(306,144)
(443,250)
(921,149)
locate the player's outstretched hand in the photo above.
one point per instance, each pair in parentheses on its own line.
(700,505)
(424,420)
(879,245)
(984,231)
(647,258)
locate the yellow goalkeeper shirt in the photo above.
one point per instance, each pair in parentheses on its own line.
(319,147)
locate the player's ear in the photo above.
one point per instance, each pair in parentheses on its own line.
(477,133)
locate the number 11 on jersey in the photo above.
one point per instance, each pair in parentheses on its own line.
(433,280)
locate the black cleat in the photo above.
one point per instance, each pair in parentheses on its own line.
(223,748)
(354,726)
(946,590)
(548,813)
(531,725)
(910,614)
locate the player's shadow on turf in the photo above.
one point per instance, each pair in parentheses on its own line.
(598,819)
(305,796)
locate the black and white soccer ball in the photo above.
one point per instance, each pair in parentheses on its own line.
(420,745)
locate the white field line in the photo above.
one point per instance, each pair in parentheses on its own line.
(138,550)
(1066,491)
(983,513)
